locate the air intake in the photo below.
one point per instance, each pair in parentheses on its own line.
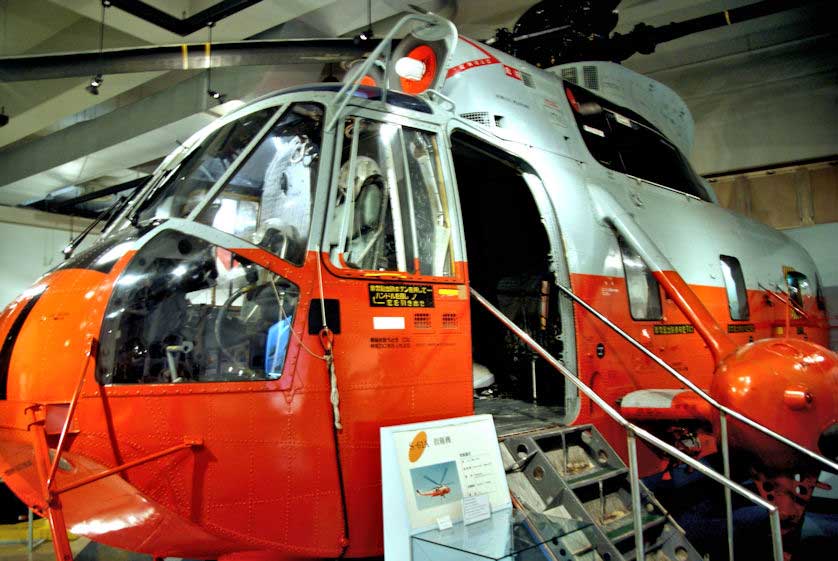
(479,117)
(571,75)
(591,77)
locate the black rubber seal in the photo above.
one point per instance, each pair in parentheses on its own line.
(9,344)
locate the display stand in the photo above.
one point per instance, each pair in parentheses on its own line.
(426,471)
(445,498)
(509,535)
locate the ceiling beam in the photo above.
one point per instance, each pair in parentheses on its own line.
(133,134)
(182,57)
(183,27)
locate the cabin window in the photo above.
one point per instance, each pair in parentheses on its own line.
(390,211)
(643,290)
(821,300)
(185,310)
(268,200)
(737,293)
(798,286)
(189,182)
(621,140)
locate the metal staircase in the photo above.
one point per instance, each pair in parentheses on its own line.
(574,473)
(639,495)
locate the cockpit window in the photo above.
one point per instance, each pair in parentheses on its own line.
(188,184)
(268,200)
(390,211)
(185,310)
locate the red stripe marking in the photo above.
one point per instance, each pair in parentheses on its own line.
(479,47)
(512,72)
(487,60)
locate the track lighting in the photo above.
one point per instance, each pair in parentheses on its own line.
(366,34)
(95,82)
(218,96)
(214,94)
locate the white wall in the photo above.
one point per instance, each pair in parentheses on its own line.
(30,244)
(761,93)
(26,252)
(821,241)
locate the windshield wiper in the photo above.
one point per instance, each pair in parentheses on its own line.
(112,210)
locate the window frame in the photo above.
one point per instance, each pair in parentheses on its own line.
(173,162)
(246,251)
(802,292)
(614,112)
(622,245)
(735,274)
(241,162)
(447,196)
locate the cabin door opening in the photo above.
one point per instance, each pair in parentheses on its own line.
(508,254)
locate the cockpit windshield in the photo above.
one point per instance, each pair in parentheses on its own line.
(268,200)
(185,186)
(267,196)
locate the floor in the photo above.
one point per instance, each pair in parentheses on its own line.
(513,416)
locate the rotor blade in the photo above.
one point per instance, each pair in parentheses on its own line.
(444,473)
(431,480)
(644,38)
(182,57)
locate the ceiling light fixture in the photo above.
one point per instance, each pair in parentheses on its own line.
(366,34)
(96,81)
(214,94)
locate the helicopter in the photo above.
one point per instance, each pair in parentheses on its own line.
(209,379)
(440,487)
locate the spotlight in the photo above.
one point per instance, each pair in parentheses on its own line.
(218,96)
(4,119)
(95,82)
(365,35)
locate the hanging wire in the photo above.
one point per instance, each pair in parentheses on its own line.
(97,80)
(214,94)
(5,26)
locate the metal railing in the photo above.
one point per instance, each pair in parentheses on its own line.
(723,410)
(352,82)
(633,432)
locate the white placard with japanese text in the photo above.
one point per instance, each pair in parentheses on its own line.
(427,469)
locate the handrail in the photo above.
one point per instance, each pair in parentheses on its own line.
(635,431)
(687,382)
(352,82)
(787,303)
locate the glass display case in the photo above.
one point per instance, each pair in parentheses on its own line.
(508,535)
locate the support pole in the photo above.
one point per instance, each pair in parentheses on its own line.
(635,496)
(728,495)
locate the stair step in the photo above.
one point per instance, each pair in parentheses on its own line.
(574,473)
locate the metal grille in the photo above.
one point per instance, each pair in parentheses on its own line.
(570,74)
(527,79)
(450,321)
(479,117)
(422,321)
(591,76)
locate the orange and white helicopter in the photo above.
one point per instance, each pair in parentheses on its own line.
(440,488)
(209,379)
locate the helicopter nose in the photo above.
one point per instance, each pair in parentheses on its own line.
(12,321)
(787,385)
